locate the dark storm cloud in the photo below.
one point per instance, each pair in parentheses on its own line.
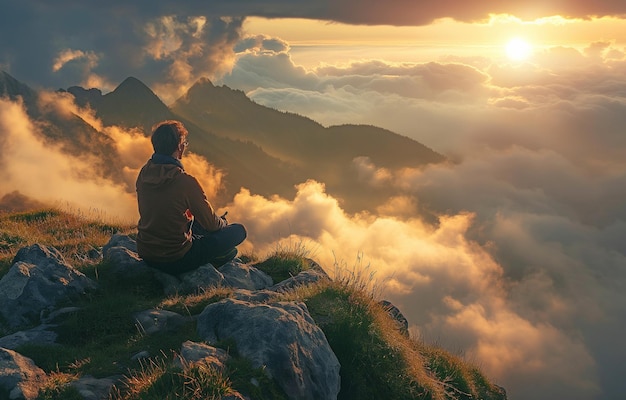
(96,44)
(62,43)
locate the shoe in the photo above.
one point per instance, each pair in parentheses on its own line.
(223,259)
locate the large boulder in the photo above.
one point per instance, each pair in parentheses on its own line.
(19,376)
(280,337)
(38,280)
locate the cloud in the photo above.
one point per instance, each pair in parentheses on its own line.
(521,262)
(520,327)
(67,45)
(42,171)
(172,46)
(70,181)
(523,266)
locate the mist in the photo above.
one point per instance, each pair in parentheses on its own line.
(523,268)
(511,253)
(39,172)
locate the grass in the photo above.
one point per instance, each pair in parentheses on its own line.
(160,379)
(75,236)
(100,337)
(285,261)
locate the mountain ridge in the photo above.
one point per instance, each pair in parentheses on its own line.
(260,148)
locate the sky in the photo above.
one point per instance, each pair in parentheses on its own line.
(524,271)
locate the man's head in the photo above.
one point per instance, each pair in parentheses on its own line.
(169,138)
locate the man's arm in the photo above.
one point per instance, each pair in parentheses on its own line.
(201,208)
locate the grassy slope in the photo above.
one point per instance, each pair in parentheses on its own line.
(377,361)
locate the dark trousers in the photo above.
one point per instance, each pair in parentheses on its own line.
(205,247)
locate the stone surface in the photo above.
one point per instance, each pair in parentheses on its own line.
(91,388)
(280,337)
(38,280)
(192,352)
(401,322)
(153,321)
(242,276)
(19,376)
(39,335)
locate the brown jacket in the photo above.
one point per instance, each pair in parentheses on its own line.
(169,200)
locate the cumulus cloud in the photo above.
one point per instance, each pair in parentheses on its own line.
(523,268)
(520,329)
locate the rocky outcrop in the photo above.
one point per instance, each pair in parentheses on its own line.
(280,337)
(38,280)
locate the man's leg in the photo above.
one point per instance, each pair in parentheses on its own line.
(216,247)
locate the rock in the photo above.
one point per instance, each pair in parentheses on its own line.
(282,338)
(121,253)
(256,296)
(91,388)
(242,276)
(401,322)
(126,263)
(40,335)
(119,240)
(153,321)
(192,352)
(19,376)
(37,281)
(142,355)
(203,277)
(313,274)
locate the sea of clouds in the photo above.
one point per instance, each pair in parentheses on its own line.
(520,265)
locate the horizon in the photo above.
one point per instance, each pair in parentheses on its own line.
(524,270)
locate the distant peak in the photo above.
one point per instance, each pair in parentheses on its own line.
(204,82)
(132,83)
(133,88)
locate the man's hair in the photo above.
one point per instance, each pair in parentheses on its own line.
(166,136)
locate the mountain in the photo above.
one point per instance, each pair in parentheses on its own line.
(324,154)
(67,131)
(134,105)
(292,137)
(262,149)
(12,88)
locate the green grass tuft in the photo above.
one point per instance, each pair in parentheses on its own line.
(285,261)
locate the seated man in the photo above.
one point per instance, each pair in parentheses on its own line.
(178,229)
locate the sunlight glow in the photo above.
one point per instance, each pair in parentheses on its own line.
(518,49)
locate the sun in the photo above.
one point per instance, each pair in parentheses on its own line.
(518,49)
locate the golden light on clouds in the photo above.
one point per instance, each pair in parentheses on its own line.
(343,43)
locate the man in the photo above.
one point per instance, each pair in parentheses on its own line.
(178,229)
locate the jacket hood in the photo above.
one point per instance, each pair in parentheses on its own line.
(155,175)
